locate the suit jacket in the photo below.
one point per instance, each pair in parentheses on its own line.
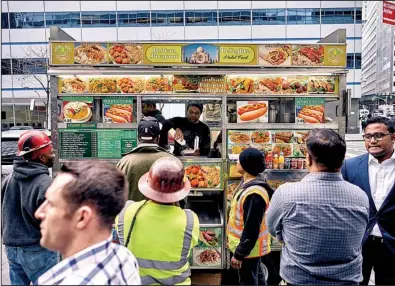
(356,171)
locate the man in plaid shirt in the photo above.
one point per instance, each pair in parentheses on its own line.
(321,219)
(76,220)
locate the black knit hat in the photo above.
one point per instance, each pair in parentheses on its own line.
(252,161)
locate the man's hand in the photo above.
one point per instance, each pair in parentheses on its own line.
(196,153)
(178,135)
(236,264)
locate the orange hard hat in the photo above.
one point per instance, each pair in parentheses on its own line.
(32,141)
(165,181)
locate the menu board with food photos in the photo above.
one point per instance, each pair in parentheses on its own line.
(208,252)
(206,54)
(230,84)
(309,110)
(291,142)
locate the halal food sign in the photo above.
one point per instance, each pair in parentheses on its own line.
(388,13)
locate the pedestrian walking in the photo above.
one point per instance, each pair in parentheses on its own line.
(76,219)
(159,233)
(248,237)
(374,172)
(22,192)
(138,162)
(321,219)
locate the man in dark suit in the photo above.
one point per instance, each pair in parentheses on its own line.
(375,174)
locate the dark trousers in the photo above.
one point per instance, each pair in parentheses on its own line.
(250,273)
(378,257)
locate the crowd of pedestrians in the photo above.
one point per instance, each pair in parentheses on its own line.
(335,225)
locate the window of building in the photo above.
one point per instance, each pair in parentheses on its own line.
(63,19)
(24,66)
(350,61)
(98,19)
(201,18)
(337,15)
(4,21)
(234,17)
(167,18)
(134,19)
(27,20)
(358,15)
(268,17)
(303,16)
(358,60)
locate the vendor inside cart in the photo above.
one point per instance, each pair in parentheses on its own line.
(192,137)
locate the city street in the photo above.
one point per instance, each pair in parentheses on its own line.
(354,148)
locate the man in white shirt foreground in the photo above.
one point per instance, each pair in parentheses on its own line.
(76,220)
(375,174)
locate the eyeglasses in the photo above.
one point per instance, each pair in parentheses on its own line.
(377,136)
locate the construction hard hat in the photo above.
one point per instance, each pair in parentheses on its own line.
(31,141)
(165,181)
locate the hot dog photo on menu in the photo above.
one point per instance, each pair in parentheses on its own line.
(118,110)
(310,110)
(252,111)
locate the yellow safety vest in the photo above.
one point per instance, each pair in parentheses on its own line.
(235,225)
(161,247)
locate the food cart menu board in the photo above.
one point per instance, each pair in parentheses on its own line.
(96,143)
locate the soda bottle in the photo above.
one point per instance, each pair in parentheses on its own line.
(275,161)
(281,161)
(269,160)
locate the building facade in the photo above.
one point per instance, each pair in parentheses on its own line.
(378,54)
(26,25)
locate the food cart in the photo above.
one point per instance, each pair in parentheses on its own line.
(268,96)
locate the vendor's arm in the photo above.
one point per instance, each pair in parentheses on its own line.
(164,133)
(204,146)
(254,209)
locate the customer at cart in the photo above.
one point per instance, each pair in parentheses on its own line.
(321,219)
(76,220)
(187,129)
(248,238)
(375,174)
(149,110)
(22,192)
(138,161)
(159,233)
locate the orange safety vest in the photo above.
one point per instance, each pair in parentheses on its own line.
(236,223)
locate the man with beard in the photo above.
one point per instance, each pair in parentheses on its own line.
(22,193)
(187,129)
(375,174)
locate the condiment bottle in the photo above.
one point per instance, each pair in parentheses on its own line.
(281,161)
(269,160)
(275,161)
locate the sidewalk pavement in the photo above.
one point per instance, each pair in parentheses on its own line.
(354,137)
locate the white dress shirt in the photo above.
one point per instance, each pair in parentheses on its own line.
(381,179)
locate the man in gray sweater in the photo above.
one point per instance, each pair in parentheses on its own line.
(22,193)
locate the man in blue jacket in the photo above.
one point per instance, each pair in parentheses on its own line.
(375,174)
(22,193)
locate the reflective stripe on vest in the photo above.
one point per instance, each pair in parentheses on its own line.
(164,265)
(121,221)
(186,244)
(146,280)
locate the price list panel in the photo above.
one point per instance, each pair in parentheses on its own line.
(95,143)
(77,143)
(112,143)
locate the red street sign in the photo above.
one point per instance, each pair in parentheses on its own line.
(388,13)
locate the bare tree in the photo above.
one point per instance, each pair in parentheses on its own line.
(27,76)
